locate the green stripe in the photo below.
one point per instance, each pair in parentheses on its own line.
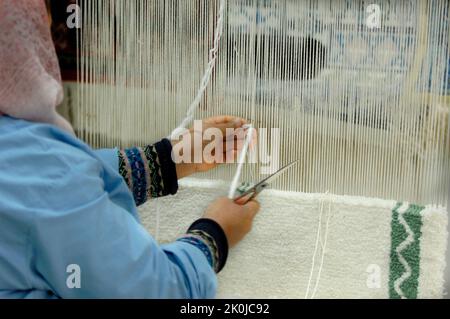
(411,253)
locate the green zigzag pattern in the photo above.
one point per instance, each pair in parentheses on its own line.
(410,253)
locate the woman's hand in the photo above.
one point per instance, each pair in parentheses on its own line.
(236,219)
(198,140)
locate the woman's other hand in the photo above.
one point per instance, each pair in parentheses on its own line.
(235,219)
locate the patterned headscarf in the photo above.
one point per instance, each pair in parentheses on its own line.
(30,80)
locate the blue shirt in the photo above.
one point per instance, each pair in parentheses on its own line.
(65,211)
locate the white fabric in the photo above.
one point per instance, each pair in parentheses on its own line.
(30,80)
(275,260)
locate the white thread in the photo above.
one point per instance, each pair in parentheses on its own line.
(323,249)
(315,251)
(402,246)
(237,175)
(206,76)
(319,273)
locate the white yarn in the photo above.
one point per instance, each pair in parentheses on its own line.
(206,77)
(372,122)
(319,273)
(237,175)
(316,246)
(323,248)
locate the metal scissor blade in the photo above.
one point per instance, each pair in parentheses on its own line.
(277,174)
(257,188)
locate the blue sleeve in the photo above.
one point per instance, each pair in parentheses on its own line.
(116,256)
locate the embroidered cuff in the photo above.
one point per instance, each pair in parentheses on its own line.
(168,169)
(210,234)
(205,246)
(149,172)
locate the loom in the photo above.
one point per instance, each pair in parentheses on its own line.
(364,109)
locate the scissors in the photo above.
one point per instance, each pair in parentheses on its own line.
(259,187)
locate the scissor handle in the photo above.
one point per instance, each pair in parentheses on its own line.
(254,191)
